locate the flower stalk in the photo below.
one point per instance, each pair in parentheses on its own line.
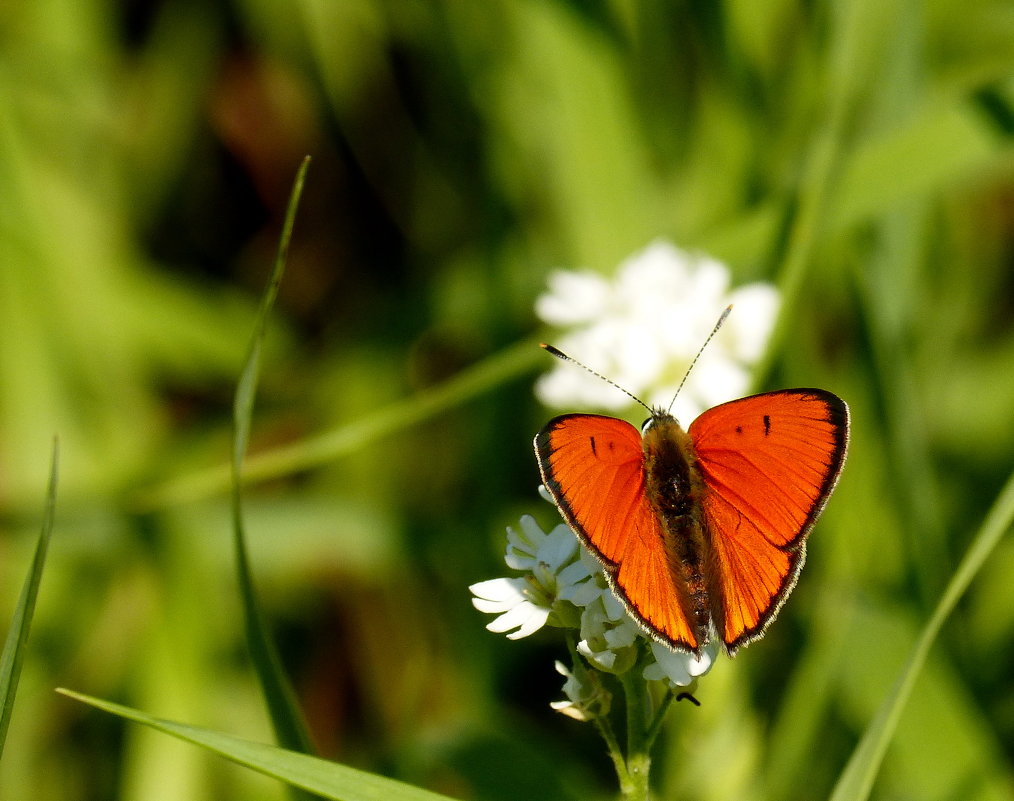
(636,697)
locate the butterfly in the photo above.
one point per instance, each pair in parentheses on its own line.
(702,532)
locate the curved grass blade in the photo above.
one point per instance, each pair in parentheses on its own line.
(856,780)
(326,779)
(14,649)
(327,446)
(278,695)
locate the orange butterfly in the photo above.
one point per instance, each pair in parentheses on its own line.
(702,530)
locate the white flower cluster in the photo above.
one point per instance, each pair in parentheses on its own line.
(565,586)
(643,328)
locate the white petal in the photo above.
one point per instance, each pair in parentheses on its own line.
(573,297)
(709,285)
(659,266)
(672,665)
(614,608)
(573,573)
(512,618)
(582,594)
(604,658)
(593,618)
(568,385)
(754,317)
(500,590)
(621,636)
(533,531)
(530,547)
(516,560)
(594,565)
(535,621)
(518,541)
(640,356)
(698,667)
(718,380)
(653,672)
(557,387)
(491,607)
(681,341)
(678,668)
(524,545)
(686,408)
(558,549)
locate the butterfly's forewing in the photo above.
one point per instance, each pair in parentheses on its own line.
(769,462)
(593,466)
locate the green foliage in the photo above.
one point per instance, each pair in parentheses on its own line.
(859,154)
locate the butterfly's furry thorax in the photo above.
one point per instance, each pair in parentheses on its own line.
(675,487)
(673,478)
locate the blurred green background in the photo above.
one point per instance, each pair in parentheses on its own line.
(860,155)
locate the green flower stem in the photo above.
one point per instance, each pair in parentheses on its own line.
(656,724)
(633,769)
(615,752)
(638,763)
(602,722)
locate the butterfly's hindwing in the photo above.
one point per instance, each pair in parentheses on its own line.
(769,462)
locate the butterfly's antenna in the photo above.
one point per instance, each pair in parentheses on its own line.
(691,367)
(559,354)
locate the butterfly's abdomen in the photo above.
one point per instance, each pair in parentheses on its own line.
(674,487)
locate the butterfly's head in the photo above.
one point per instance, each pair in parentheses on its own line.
(659,417)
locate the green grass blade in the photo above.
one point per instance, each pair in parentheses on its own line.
(281,702)
(247,387)
(327,779)
(14,649)
(857,779)
(514,361)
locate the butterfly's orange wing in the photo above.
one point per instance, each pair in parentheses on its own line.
(769,462)
(593,466)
